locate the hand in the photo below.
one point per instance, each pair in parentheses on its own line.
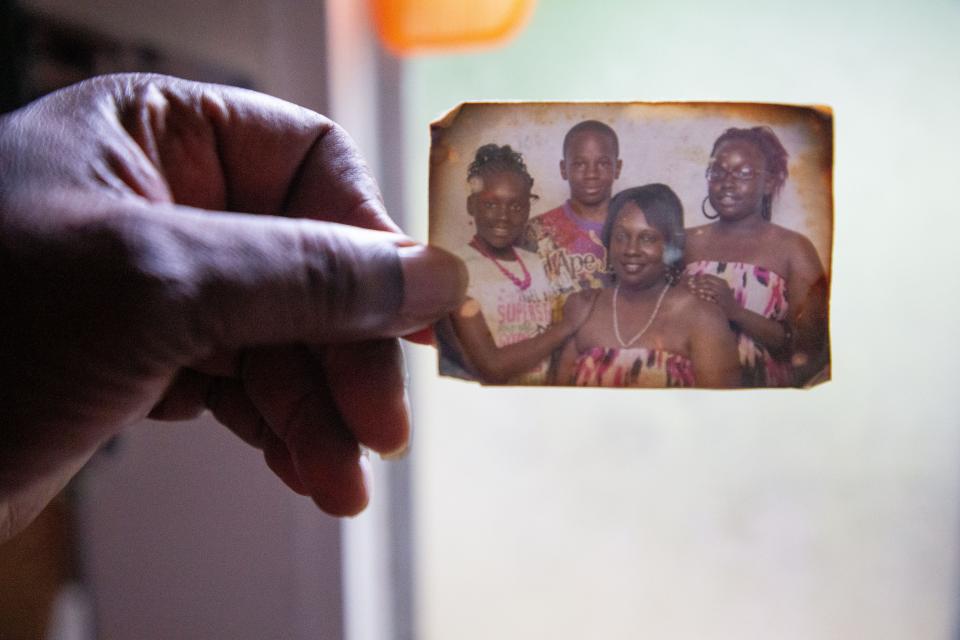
(714,289)
(577,308)
(128,291)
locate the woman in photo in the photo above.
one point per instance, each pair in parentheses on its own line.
(644,331)
(506,326)
(767,280)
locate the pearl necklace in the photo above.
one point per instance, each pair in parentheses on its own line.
(653,316)
(524,284)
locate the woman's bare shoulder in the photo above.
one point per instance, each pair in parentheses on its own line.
(682,300)
(700,229)
(583,295)
(686,305)
(698,237)
(788,238)
(698,242)
(592,297)
(796,247)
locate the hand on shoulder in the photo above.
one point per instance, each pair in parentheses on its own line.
(578,306)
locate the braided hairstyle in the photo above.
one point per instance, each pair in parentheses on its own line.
(492,158)
(775,157)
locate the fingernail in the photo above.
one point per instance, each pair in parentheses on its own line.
(399,454)
(421,336)
(434,282)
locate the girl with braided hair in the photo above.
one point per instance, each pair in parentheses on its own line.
(506,326)
(767,279)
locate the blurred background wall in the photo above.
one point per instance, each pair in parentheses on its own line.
(180,530)
(279,46)
(826,514)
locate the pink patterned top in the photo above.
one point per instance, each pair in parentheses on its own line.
(635,367)
(762,291)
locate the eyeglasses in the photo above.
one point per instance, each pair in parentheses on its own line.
(743,174)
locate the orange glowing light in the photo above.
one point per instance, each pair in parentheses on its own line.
(408,26)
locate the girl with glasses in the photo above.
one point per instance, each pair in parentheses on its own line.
(767,280)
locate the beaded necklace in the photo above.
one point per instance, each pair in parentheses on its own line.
(653,316)
(523,284)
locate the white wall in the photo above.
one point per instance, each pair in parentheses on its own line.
(827,514)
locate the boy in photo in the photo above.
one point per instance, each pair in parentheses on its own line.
(567,238)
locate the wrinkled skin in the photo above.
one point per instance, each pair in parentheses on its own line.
(128,290)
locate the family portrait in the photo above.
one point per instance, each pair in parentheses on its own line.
(654,245)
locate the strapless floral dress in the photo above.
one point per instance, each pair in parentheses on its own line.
(764,292)
(634,367)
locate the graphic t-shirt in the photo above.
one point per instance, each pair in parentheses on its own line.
(512,314)
(571,249)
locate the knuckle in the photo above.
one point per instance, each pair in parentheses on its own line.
(354,282)
(150,277)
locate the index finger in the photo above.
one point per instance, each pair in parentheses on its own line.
(272,157)
(713,280)
(321,174)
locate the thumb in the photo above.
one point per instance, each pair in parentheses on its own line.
(270,280)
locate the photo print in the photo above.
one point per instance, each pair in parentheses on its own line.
(653,245)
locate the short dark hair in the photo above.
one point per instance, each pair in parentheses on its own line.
(591,126)
(493,158)
(663,211)
(774,155)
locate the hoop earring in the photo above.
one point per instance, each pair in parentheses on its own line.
(703,208)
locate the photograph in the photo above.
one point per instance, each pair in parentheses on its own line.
(652,245)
